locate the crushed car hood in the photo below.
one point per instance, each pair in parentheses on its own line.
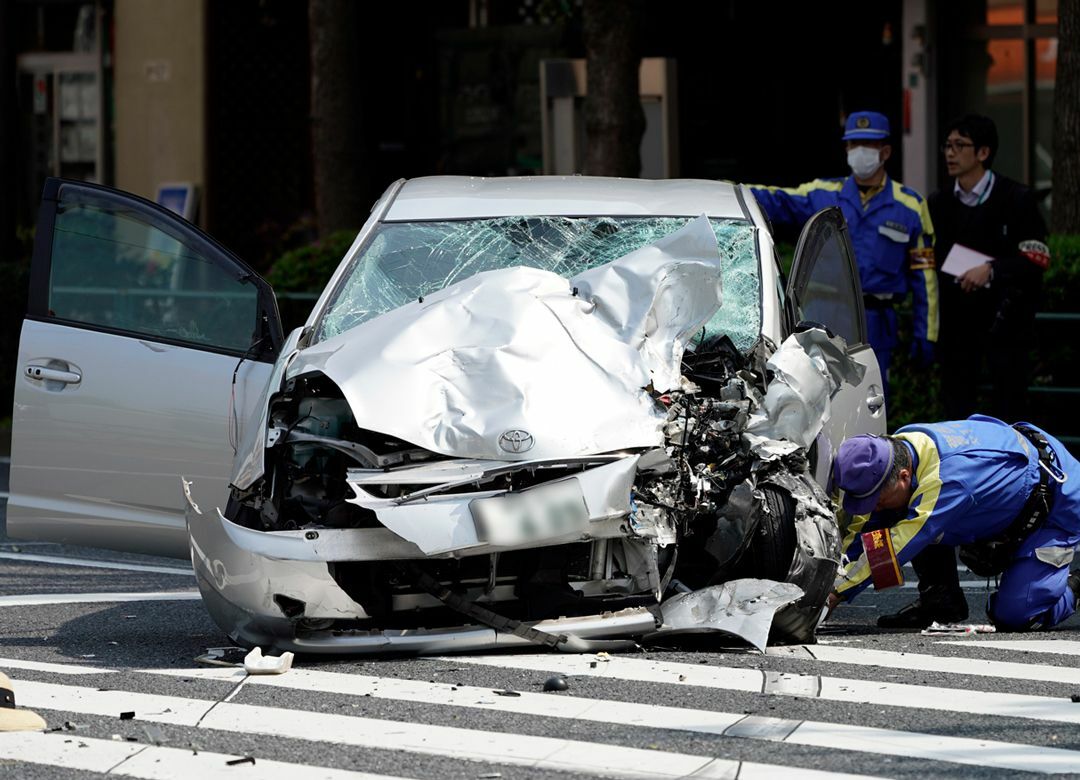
(522,364)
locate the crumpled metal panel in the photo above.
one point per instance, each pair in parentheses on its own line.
(817,555)
(248,464)
(516,349)
(808,369)
(743,608)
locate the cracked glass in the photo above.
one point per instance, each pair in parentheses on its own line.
(404,261)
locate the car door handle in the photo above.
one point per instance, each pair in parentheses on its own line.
(875,402)
(53,374)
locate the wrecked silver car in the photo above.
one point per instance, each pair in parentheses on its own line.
(570,412)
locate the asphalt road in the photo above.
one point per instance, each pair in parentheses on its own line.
(861,702)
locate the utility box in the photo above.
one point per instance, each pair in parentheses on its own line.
(562,104)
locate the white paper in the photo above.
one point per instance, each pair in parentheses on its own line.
(961,259)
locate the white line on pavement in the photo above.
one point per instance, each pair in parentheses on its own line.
(921,662)
(565,755)
(42,666)
(932,747)
(964,584)
(40,599)
(805,685)
(150,762)
(1055,646)
(92,564)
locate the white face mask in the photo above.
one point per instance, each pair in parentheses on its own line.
(864,161)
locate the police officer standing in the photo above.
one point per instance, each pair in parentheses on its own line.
(1009,496)
(988,311)
(890,230)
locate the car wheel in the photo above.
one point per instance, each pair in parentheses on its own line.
(770,552)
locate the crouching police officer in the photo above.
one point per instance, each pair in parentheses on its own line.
(1008,496)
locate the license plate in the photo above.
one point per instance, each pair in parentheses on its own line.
(514,519)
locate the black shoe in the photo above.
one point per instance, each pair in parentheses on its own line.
(919,615)
(1074,586)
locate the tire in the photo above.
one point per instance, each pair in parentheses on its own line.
(770,553)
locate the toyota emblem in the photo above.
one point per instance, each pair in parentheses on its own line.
(516,441)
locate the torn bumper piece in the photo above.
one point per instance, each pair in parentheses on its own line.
(627,623)
(593,504)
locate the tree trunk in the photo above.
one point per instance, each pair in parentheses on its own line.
(337,147)
(1066,203)
(614,121)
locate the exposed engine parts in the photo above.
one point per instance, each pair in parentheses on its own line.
(704,509)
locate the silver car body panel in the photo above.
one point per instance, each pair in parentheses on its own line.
(80,476)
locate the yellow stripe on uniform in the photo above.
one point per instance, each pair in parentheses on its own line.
(932,315)
(805,189)
(928,475)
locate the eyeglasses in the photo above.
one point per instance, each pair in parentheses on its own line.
(955,146)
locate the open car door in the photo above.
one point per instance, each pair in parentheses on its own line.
(144,347)
(824,289)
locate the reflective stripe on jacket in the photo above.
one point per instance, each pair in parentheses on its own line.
(892,235)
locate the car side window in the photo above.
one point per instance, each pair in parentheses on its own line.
(825,279)
(118,268)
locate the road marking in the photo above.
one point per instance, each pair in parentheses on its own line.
(39,599)
(133,759)
(928,697)
(42,666)
(1056,646)
(957,750)
(92,564)
(965,584)
(564,755)
(920,662)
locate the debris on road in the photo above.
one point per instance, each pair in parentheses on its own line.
(940,629)
(256,663)
(222,656)
(555,683)
(129,715)
(244,760)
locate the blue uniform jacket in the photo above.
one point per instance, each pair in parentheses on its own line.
(971,478)
(893,237)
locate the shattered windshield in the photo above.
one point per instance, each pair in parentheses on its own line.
(407,260)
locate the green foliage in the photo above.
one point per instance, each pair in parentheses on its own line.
(914,392)
(1061,283)
(308,268)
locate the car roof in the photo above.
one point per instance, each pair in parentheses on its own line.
(465,197)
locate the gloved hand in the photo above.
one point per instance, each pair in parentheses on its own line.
(923,352)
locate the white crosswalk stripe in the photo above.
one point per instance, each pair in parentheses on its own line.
(261,711)
(583,758)
(1050,646)
(130,759)
(837,736)
(921,662)
(841,689)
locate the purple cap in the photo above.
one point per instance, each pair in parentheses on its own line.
(860,469)
(866,126)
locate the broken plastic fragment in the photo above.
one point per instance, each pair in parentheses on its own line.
(244,760)
(256,663)
(221,656)
(936,628)
(743,608)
